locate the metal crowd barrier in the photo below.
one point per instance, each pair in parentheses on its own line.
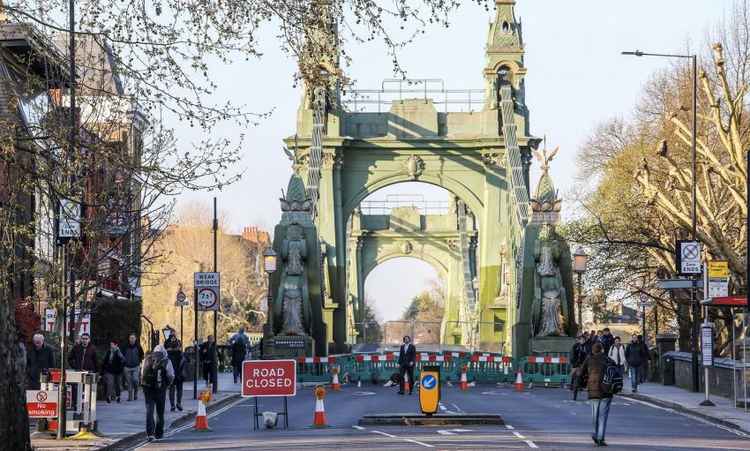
(548,370)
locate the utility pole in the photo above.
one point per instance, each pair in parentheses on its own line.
(215,370)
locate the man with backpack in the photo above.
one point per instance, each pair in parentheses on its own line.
(157,375)
(603,381)
(239,344)
(634,354)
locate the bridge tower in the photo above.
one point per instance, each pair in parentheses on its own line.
(407,131)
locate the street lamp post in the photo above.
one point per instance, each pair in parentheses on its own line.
(580,262)
(693,149)
(269,266)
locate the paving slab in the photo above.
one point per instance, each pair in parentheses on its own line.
(685,401)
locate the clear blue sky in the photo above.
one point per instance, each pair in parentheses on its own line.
(576,78)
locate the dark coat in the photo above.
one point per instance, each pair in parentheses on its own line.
(114,362)
(83,360)
(407,357)
(634,354)
(135,352)
(593,371)
(607,341)
(578,354)
(177,357)
(37,362)
(207,352)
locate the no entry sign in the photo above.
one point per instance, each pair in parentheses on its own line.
(269,378)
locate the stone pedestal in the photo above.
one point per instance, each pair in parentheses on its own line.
(287,347)
(547,345)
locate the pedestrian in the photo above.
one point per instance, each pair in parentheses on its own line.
(113,367)
(577,357)
(39,359)
(407,358)
(156,376)
(646,361)
(593,372)
(607,340)
(239,344)
(177,358)
(635,358)
(133,358)
(208,351)
(617,354)
(83,356)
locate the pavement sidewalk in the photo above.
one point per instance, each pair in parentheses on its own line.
(672,397)
(128,419)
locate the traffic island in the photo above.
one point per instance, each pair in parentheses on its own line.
(411,419)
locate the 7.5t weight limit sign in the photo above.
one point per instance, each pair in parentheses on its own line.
(207,290)
(262,378)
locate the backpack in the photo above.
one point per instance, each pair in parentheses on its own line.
(611,383)
(155,373)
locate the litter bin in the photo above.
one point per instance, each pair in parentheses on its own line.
(667,364)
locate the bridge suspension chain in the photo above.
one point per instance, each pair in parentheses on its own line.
(316,149)
(469,310)
(513,153)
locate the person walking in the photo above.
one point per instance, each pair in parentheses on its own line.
(177,358)
(607,340)
(83,356)
(407,358)
(113,367)
(617,354)
(646,361)
(208,351)
(593,372)
(635,358)
(577,357)
(239,345)
(39,359)
(156,376)
(133,358)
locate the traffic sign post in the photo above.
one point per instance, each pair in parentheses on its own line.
(689,258)
(181,302)
(269,378)
(208,290)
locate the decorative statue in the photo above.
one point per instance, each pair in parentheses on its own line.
(293,253)
(550,306)
(548,286)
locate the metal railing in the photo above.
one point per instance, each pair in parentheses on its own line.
(384,207)
(398,90)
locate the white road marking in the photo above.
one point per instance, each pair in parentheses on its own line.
(692,417)
(444,432)
(188,426)
(384,433)
(457,408)
(426,445)
(359,428)
(509,427)
(521,437)
(531,444)
(518,434)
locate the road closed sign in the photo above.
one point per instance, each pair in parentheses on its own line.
(262,378)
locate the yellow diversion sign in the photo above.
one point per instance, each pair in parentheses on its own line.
(429,389)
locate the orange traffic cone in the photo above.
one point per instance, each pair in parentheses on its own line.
(335,385)
(201,420)
(464,384)
(519,381)
(407,387)
(319,419)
